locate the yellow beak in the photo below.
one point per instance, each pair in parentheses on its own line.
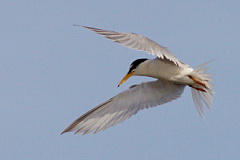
(125,78)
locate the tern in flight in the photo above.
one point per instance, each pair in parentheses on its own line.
(172,75)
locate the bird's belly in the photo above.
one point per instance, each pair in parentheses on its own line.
(166,70)
(183,77)
(174,74)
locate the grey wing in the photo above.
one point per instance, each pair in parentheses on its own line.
(126,104)
(137,42)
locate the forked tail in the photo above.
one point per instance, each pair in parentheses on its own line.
(205,96)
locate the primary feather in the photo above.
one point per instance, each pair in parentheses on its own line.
(137,42)
(126,104)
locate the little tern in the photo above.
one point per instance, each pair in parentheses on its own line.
(172,76)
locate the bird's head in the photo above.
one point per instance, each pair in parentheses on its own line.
(132,69)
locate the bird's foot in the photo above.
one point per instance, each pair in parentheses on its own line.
(197,81)
(199,89)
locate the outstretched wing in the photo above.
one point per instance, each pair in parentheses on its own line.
(137,42)
(126,104)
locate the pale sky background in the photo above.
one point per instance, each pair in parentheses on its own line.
(52,72)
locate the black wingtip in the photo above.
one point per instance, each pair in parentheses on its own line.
(77,25)
(63,132)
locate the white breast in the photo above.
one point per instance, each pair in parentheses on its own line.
(164,69)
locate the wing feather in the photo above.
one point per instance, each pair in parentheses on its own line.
(126,104)
(137,42)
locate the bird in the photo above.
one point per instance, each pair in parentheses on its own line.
(171,77)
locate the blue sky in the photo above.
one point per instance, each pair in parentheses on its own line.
(52,72)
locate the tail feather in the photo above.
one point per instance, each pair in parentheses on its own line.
(200,98)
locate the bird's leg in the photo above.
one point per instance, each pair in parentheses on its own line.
(198,82)
(199,89)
